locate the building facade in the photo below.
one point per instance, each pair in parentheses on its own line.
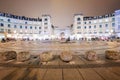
(91,27)
(21,27)
(117,22)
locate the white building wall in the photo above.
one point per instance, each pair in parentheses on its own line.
(35,31)
(86,28)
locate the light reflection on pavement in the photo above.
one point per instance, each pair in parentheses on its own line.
(37,47)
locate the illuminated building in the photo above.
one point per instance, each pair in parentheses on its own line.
(21,27)
(92,27)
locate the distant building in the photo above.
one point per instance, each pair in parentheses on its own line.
(60,33)
(96,26)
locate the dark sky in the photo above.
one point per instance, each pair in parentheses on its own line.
(61,11)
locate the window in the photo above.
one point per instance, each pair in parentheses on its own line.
(94,26)
(78,19)
(106,32)
(85,27)
(118,26)
(39,27)
(1,20)
(106,25)
(45,23)
(2,24)
(89,27)
(79,27)
(25,22)
(95,32)
(106,20)
(113,24)
(8,20)
(39,32)
(25,27)
(90,32)
(89,22)
(2,30)
(78,22)
(30,27)
(113,19)
(9,31)
(15,26)
(78,32)
(9,25)
(20,27)
(46,19)
(46,27)
(100,26)
(85,23)
(35,27)
(95,21)
(100,32)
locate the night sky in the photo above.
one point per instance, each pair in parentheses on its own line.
(61,11)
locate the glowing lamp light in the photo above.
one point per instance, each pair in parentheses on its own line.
(14,31)
(111,31)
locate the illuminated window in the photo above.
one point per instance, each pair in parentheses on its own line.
(106,20)
(95,21)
